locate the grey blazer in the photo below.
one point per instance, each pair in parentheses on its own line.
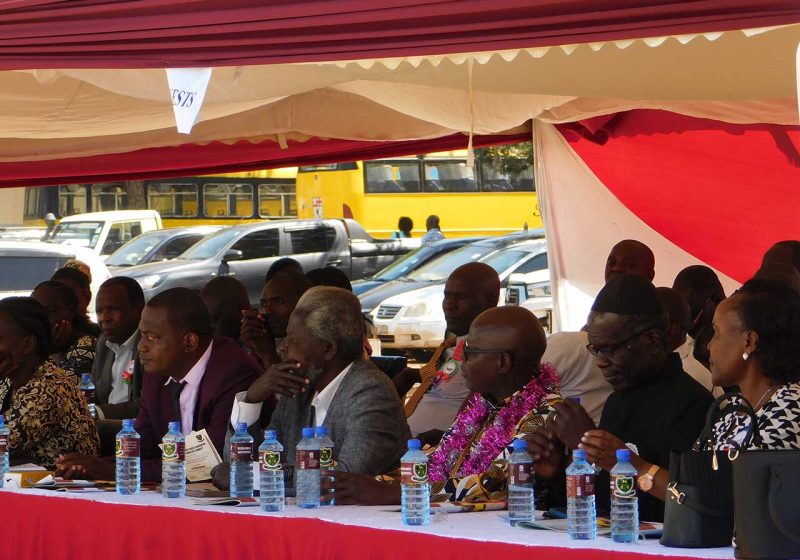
(101,376)
(365,421)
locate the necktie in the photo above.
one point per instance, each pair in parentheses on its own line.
(177,387)
(427,373)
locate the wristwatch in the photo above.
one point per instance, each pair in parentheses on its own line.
(646,480)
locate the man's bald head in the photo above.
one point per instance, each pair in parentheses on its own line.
(701,288)
(226,298)
(516,329)
(679,319)
(471,289)
(783,252)
(782,272)
(631,257)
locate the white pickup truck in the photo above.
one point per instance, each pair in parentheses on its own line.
(104,232)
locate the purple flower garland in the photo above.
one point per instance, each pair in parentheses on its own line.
(497,436)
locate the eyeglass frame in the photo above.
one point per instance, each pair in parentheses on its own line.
(608,350)
(467,351)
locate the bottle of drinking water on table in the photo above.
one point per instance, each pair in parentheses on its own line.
(87,389)
(581,516)
(241,462)
(326,461)
(520,484)
(306,470)
(624,503)
(129,472)
(270,468)
(173,462)
(4,433)
(416,491)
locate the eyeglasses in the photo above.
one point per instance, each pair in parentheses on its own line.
(609,349)
(470,352)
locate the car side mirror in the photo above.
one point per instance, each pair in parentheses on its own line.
(232,255)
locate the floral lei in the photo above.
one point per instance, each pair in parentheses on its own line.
(497,436)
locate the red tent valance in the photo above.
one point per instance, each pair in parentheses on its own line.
(168,33)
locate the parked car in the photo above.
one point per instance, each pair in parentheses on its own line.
(157,245)
(246,251)
(415,320)
(24,264)
(437,270)
(411,261)
(104,232)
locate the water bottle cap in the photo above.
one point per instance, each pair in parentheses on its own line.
(86,377)
(308,432)
(624,455)
(579,454)
(520,445)
(2,420)
(271,435)
(174,426)
(127,424)
(414,444)
(321,431)
(577,400)
(241,426)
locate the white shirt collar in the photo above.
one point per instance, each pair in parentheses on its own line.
(127,345)
(322,400)
(195,375)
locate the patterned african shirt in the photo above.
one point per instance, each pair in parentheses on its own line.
(48,416)
(79,358)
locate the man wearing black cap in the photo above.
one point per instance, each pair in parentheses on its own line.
(655,406)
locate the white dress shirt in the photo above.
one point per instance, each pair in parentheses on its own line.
(123,359)
(188,398)
(322,399)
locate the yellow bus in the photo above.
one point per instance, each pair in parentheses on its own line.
(476,201)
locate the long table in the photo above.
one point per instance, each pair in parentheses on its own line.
(37,524)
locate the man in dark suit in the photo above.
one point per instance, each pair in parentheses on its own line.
(189,376)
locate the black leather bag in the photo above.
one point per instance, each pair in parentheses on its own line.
(698,512)
(766,492)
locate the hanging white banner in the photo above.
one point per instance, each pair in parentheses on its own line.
(187,87)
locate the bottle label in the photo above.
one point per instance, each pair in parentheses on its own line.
(3,443)
(623,486)
(520,473)
(271,461)
(173,451)
(127,447)
(414,473)
(326,457)
(241,451)
(580,485)
(307,459)
(88,394)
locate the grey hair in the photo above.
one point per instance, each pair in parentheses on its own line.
(334,315)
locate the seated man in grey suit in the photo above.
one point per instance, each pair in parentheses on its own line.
(117,373)
(327,382)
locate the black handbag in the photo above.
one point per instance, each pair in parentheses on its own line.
(698,511)
(766,493)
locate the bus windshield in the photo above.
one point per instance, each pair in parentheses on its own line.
(211,245)
(77,234)
(136,249)
(439,269)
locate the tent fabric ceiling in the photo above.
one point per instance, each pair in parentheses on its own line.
(46,34)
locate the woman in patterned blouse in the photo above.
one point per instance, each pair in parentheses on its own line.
(44,410)
(72,340)
(756,347)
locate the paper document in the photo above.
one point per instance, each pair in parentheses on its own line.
(201,456)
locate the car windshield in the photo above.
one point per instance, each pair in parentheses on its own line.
(136,249)
(211,245)
(23,274)
(502,260)
(440,268)
(404,264)
(78,234)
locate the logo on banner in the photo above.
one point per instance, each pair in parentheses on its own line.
(187,88)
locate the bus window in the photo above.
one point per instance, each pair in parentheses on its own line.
(380,178)
(493,180)
(227,200)
(72,199)
(276,199)
(109,197)
(35,203)
(449,176)
(173,200)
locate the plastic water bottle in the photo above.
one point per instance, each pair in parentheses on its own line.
(241,462)
(173,462)
(581,515)
(129,469)
(416,492)
(307,470)
(4,433)
(520,484)
(326,460)
(270,468)
(88,391)
(624,503)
